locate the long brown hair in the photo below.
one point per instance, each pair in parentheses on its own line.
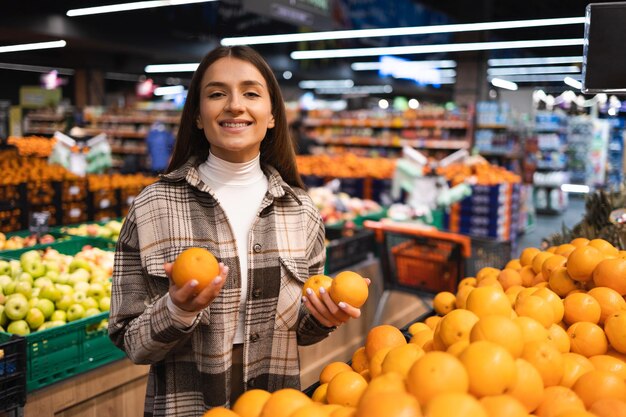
(276,148)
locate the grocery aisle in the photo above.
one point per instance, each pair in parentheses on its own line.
(545,225)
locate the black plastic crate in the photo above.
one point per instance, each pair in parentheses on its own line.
(13,374)
(344,251)
(488,252)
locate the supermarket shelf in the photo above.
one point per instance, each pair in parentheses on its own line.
(389,123)
(502,154)
(128,150)
(134,119)
(493,126)
(398,142)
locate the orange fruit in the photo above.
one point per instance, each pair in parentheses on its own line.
(587,338)
(539,259)
(417,327)
(554,300)
(615,329)
(251,402)
(382,336)
(532,330)
(500,330)
(605,247)
(582,261)
(432,321)
(346,388)
(422,337)
(454,405)
(284,402)
(564,249)
(535,307)
(389,382)
(561,283)
(316,282)
(491,280)
(527,387)
(455,326)
(343,412)
(512,292)
(580,241)
(513,264)
(350,288)
(528,275)
(581,307)
(551,249)
(436,373)
(376,363)
(557,400)
(490,367)
(389,404)
(400,358)
(331,369)
(552,263)
(527,255)
(467,281)
(609,363)
(319,395)
(610,301)
(311,410)
(195,264)
(485,272)
(559,337)
(609,407)
(574,365)
(444,302)
(458,347)
(544,356)
(509,277)
(596,385)
(220,412)
(462,294)
(611,273)
(503,405)
(359,361)
(484,301)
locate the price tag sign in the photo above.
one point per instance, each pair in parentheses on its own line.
(75,212)
(105,203)
(74,189)
(39,223)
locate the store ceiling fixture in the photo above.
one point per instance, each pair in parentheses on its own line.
(375,66)
(428,49)
(123,7)
(532,70)
(573,83)
(507,85)
(398,31)
(311,84)
(360,89)
(119,76)
(534,78)
(157,68)
(503,62)
(35,68)
(168,90)
(32,46)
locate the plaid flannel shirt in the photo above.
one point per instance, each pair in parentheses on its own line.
(190,368)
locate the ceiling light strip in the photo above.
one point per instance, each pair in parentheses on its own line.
(572,82)
(427,49)
(534,78)
(507,85)
(532,70)
(123,7)
(375,66)
(503,62)
(398,31)
(35,68)
(32,46)
(191,67)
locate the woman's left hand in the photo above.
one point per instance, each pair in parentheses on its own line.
(326,311)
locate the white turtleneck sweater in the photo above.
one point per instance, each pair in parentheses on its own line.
(239,189)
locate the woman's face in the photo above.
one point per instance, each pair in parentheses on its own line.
(235,109)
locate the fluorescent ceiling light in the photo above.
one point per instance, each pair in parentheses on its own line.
(170,89)
(325,84)
(574,188)
(573,83)
(535,61)
(35,68)
(171,68)
(360,89)
(375,66)
(123,7)
(427,49)
(533,70)
(507,85)
(398,31)
(32,46)
(534,78)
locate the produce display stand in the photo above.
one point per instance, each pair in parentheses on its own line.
(12,375)
(419,260)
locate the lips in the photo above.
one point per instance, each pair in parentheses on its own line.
(235,124)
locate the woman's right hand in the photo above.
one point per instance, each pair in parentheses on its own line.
(188,298)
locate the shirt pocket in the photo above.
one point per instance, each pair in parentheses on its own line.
(157,281)
(293,274)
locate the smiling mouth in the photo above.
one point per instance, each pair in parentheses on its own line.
(235,125)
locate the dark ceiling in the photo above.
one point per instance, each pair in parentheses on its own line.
(127,41)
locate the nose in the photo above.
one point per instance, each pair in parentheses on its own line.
(234,105)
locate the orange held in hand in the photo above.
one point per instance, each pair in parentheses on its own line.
(316,282)
(349,287)
(195,263)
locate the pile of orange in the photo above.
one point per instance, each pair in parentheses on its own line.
(545,336)
(345,166)
(482,173)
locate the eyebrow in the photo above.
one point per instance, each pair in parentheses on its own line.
(246,83)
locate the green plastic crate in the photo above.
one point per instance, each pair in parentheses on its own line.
(58,236)
(66,247)
(61,229)
(58,353)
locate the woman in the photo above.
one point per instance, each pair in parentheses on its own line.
(232,187)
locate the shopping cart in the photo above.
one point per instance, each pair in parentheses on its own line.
(419,260)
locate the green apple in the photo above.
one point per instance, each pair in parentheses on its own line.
(3,316)
(81,287)
(103,324)
(89,302)
(59,315)
(26,277)
(46,306)
(99,274)
(2,329)
(50,292)
(65,288)
(105,303)
(24,287)
(79,275)
(79,264)
(5,279)
(75,312)
(31,255)
(62,278)
(64,302)
(9,288)
(19,327)
(32,301)
(5,268)
(16,268)
(32,263)
(50,324)
(42,282)
(16,308)
(34,318)
(52,266)
(96,291)
(93,311)
(79,296)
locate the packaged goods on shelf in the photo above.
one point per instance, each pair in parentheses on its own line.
(32,145)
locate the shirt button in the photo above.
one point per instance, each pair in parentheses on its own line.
(254,337)
(257,247)
(256,293)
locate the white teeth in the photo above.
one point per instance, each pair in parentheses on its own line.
(235,124)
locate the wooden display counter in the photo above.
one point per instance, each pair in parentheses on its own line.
(118,389)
